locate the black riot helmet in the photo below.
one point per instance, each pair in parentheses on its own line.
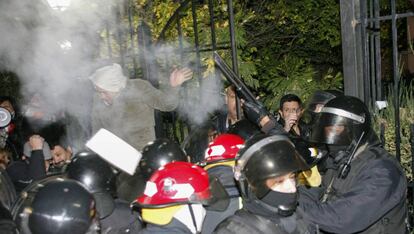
(244,128)
(97,176)
(159,152)
(61,206)
(342,120)
(321,97)
(265,157)
(315,103)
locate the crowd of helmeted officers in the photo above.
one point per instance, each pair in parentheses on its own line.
(304,168)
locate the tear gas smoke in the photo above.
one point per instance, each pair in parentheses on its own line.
(53,51)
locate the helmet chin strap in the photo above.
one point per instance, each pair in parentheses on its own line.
(193,217)
(197,213)
(346,166)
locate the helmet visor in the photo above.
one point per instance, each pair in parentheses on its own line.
(331,129)
(219,200)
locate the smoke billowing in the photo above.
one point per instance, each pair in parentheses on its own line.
(53,51)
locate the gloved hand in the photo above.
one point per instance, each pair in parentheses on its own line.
(254,112)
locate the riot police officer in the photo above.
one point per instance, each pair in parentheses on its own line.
(99,178)
(219,161)
(265,169)
(155,154)
(364,192)
(175,196)
(59,206)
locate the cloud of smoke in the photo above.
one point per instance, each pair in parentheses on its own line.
(53,51)
(201,97)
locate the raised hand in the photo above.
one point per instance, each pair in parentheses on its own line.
(179,76)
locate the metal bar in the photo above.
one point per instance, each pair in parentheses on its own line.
(389,17)
(196,40)
(131,37)
(412,146)
(180,39)
(412,160)
(185,91)
(396,80)
(120,36)
(173,18)
(351,48)
(372,59)
(365,53)
(377,40)
(233,50)
(108,39)
(212,27)
(192,50)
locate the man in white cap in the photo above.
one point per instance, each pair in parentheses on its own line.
(126,107)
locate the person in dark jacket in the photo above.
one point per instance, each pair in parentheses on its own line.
(266,171)
(290,114)
(219,161)
(24,172)
(364,191)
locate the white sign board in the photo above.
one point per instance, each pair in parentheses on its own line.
(114,150)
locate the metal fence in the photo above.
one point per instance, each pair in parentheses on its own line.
(361,22)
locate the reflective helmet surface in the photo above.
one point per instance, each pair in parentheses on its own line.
(158,153)
(93,172)
(223,148)
(342,120)
(265,157)
(61,206)
(322,97)
(176,183)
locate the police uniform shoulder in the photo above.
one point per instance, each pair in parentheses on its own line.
(242,222)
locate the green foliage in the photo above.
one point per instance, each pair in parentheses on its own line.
(9,85)
(283,46)
(387,118)
(293,75)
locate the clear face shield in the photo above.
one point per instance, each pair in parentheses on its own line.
(336,127)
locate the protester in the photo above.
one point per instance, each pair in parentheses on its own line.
(126,107)
(23,172)
(61,157)
(290,113)
(12,133)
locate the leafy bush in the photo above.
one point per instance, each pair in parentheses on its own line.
(387,118)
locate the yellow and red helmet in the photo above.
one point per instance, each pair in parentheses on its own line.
(223,148)
(176,183)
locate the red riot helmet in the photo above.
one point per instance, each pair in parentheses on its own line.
(223,148)
(182,183)
(176,183)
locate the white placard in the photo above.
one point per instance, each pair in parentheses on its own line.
(115,150)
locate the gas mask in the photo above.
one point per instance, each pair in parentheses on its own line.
(283,196)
